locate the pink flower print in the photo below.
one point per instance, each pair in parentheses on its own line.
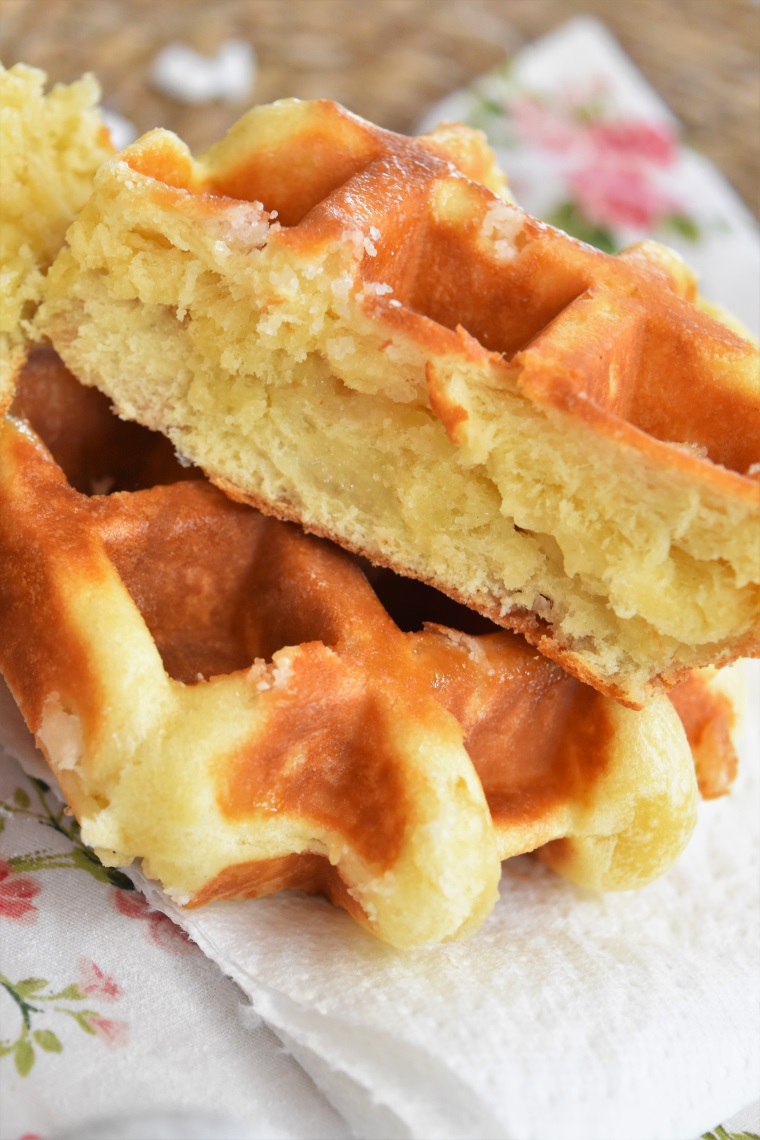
(613,169)
(651,143)
(545,127)
(93,980)
(112,1033)
(618,195)
(16,893)
(161,929)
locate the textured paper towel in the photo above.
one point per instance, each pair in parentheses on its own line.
(569,1015)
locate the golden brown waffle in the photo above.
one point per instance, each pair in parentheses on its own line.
(354,330)
(50,147)
(231,700)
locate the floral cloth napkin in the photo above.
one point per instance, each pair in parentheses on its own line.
(624,1017)
(591,148)
(108,1011)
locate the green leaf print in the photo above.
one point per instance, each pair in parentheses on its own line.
(52,814)
(687,228)
(83,858)
(30,986)
(70,993)
(566,216)
(47,1040)
(23,1055)
(720,1133)
(82,1018)
(46,1005)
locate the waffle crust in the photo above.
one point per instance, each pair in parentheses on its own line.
(357,331)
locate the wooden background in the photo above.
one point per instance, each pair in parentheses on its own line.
(389,60)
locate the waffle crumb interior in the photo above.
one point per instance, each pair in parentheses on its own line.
(51,146)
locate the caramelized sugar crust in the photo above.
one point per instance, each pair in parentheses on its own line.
(336,668)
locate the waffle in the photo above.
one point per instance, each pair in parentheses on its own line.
(357,331)
(51,145)
(232,700)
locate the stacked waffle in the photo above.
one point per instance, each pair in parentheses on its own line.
(361,333)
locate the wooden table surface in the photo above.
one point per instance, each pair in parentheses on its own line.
(389,60)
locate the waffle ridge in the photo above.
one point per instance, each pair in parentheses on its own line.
(561,439)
